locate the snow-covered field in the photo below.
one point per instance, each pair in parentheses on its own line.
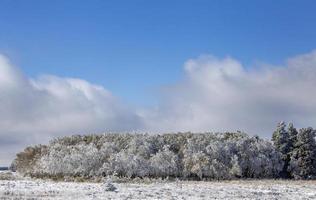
(252,189)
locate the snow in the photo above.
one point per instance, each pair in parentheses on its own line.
(245,189)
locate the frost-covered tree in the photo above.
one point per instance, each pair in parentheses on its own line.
(280,138)
(259,158)
(26,161)
(127,165)
(75,160)
(292,136)
(197,165)
(164,163)
(303,159)
(235,170)
(282,141)
(185,155)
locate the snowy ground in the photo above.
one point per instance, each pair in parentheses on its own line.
(254,189)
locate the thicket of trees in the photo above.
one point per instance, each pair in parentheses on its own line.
(298,149)
(183,155)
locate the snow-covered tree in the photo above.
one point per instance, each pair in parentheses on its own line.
(164,163)
(303,159)
(258,158)
(292,136)
(186,155)
(282,141)
(75,160)
(235,170)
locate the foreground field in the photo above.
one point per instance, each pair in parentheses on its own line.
(267,189)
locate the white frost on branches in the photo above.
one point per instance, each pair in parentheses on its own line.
(187,155)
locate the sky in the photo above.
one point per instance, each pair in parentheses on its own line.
(69,67)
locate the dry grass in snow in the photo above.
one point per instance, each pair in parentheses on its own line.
(252,189)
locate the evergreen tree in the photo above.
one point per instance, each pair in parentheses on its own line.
(281,140)
(292,137)
(303,159)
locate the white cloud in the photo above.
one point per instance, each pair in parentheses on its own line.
(221,95)
(215,95)
(34,110)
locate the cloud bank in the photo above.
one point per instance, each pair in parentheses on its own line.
(35,110)
(216,94)
(221,95)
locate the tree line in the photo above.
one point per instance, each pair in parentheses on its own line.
(189,156)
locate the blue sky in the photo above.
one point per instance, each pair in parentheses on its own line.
(134,47)
(153,66)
